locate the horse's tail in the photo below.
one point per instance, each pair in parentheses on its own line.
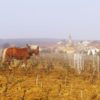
(3,57)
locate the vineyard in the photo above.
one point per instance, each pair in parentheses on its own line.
(51,77)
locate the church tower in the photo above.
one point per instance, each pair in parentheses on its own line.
(70,42)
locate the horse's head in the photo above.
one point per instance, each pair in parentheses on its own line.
(34,49)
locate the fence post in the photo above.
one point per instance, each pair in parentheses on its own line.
(98,65)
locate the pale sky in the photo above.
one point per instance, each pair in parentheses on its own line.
(50,19)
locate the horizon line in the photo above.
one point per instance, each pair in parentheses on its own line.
(49,38)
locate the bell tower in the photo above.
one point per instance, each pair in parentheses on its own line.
(70,39)
(70,42)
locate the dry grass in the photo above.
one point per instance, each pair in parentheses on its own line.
(49,79)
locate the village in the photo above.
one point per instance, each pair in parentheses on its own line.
(70,45)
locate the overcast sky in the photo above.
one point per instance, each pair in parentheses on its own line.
(50,19)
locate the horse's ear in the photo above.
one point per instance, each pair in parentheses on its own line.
(27,45)
(37,47)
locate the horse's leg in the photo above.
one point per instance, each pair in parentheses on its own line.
(37,59)
(25,63)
